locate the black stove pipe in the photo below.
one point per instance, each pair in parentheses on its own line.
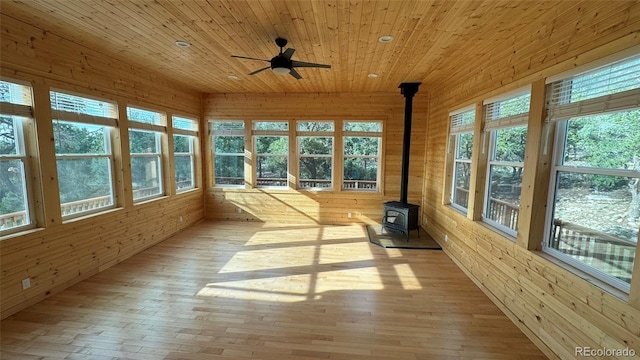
(408,90)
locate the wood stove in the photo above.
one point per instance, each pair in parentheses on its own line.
(401,216)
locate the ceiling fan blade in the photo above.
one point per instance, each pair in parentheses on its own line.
(288,53)
(295,74)
(295,63)
(250,58)
(257,71)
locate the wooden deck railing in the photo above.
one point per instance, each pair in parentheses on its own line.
(462,197)
(75,207)
(14,219)
(314,184)
(608,253)
(229,180)
(504,213)
(20,218)
(272,182)
(359,184)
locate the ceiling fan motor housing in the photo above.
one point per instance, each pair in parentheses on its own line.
(280,62)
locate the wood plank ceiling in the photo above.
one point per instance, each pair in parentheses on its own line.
(434,41)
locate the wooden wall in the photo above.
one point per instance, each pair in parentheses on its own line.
(554,307)
(59,254)
(328,207)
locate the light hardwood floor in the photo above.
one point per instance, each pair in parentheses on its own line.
(270,291)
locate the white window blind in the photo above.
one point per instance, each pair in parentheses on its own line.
(462,121)
(610,88)
(512,111)
(78,109)
(15,99)
(226,127)
(184,126)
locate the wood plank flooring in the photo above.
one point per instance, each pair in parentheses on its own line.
(269,291)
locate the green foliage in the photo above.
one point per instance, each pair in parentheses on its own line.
(363,126)
(11,186)
(361,168)
(464,145)
(71,138)
(510,144)
(183,163)
(229,166)
(272,166)
(609,141)
(318,168)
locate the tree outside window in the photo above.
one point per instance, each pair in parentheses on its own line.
(362,144)
(315,154)
(82,135)
(14,197)
(595,186)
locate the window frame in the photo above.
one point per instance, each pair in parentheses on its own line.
(493,123)
(363,134)
(110,124)
(227,133)
(300,134)
(20,115)
(561,110)
(192,134)
(160,130)
(255,134)
(459,126)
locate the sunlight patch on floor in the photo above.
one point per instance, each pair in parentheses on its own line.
(255,260)
(292,288)
(366,278)
(337,253)
(407,277)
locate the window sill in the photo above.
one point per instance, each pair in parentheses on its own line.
(20,233)
(490,226)
(80,217)
(187,191)
(460,210)
(148,200)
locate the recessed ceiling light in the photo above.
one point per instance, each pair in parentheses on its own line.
(182,44)
(233,77)
(372,76)
(385,38)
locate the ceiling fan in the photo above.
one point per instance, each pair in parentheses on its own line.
(282,63)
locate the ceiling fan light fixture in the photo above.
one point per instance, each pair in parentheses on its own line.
(233,77)
(182,44)
(281,70)
(372,76)
(385,39)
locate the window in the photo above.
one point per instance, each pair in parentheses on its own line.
(272,153)
(228,153)
(15,111)
(595,186)
(362,143)
(315,154)
(145,135)
(506,121)
(461,132)
(82,134)
(185,132)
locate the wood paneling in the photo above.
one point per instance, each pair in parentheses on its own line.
(320,206)
(232,290)
(436,42)
(60,253)
(555,307)
(31,52)
(57,257)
